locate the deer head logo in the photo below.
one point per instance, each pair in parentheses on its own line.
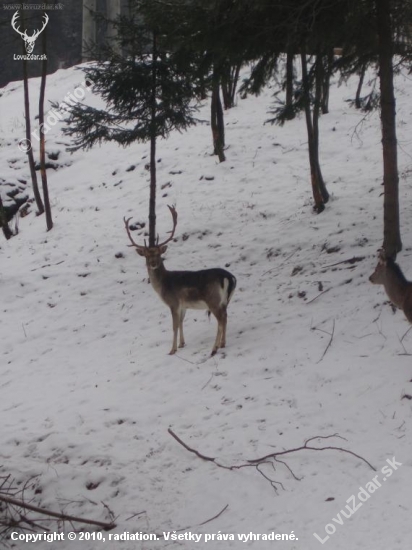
(29,41)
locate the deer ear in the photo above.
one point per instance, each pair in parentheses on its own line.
(140,251)
(163,249)
(382,256)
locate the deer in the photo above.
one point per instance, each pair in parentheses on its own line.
(210,289)
(397,287)
(29,41)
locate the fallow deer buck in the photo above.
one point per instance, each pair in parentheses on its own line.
(209,289)
(397,287)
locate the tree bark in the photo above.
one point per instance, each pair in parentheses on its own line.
(113,8)
(217,120)
(290,114)
(319,81)
(313,149)
(45,187)
(88,28)
(392,243)
(358,103)
(36,192)
(3,222)
(229,84)
(327,73)
(152,198)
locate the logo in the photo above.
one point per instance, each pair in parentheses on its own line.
(29,41)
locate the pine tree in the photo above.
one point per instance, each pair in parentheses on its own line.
(147,89)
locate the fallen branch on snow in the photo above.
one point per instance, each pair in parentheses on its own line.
(14,512)
(257,462)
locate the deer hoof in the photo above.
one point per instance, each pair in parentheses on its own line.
(213,352)
(182,345)
(172,351)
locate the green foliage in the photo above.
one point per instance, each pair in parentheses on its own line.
(146,87)
(281,112)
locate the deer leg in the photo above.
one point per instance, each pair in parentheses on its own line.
(176,322)
(224,324)
(182,338)
(216,345)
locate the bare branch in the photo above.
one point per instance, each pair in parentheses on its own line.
(316,297)
(306,447)
(50,513)
(203,457)
(258,462)
(329,343)
(350,261)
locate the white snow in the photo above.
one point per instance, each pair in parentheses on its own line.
(88,392)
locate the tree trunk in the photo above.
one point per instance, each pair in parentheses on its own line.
(203,88)
(88,28)
(45,187)
(319,81)
(229,84)
(217,120)
(36,192)
(327,73)
(113,8)
(392,243)
(315,173)
(290,113)
(3,222)
(152,199)
(358,103)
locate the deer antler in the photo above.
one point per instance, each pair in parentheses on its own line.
(172,232)
(174,216)
(13,24)
(126,223)
(36,33)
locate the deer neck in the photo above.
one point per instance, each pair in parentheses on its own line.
(157,276)
(396,287)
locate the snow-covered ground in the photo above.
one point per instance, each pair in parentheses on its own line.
(88,392)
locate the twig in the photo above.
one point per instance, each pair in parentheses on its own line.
(109,511)
(183,444)
(47,265)
(64,517)
(283,263)
(216,516)
(307,447)
(199,524)
(349,261)
(288,468)
(329,343)
(404,349)
(135,515)
(192,362)
(32,523)
(320,330)
(207,382)
(380,332)
(271,481)
(377,318)
(316,297)
(406,333)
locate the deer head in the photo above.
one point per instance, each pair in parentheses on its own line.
(153,254)
(29,41)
